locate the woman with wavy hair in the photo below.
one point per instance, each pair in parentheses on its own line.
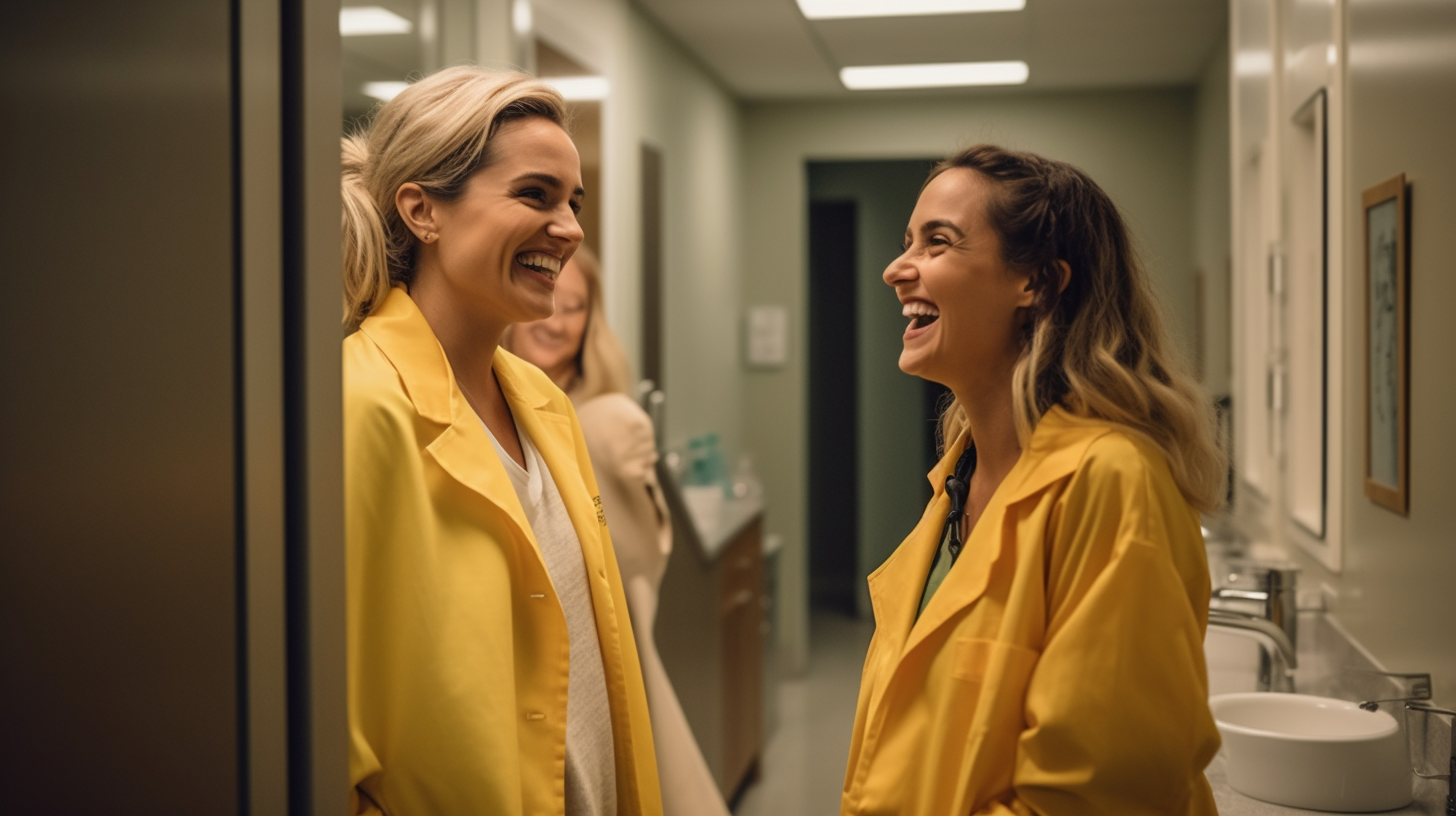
(578,351)
(492,667)
(1039,635)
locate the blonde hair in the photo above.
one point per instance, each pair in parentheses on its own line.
(1098,348)
(435,133)
(601,364)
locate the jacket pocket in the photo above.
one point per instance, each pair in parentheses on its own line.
(1008,665)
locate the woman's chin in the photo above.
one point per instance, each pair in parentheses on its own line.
(913,362)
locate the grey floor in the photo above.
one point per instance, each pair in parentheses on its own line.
(802,769)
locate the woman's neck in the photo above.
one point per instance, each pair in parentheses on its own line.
(469,340)
(992,420)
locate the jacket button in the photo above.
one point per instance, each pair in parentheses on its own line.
(535,716)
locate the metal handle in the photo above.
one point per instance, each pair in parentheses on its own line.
(1230,594)
(1426,708)
(1420,688)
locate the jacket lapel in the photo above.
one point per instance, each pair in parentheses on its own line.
(462,448)
(1054,450)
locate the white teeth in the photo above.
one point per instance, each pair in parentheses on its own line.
(541,262)
(918,308)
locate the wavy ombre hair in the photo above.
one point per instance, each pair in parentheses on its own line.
(1097,347)
(435,133)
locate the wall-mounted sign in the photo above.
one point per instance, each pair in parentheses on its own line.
(766,336)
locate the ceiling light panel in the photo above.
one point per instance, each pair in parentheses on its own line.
(356,21)
(383,91)
(936,75)
(839,9)
(579,88)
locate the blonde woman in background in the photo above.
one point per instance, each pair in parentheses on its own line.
(492,668)
(578,351)
(1038,643)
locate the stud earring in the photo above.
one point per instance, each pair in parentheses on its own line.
(429,237)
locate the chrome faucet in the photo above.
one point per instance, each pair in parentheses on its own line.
(1274,593)
(1277,660)
(1277,621)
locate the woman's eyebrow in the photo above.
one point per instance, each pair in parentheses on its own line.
(550,181)
(931,226)
(941,223)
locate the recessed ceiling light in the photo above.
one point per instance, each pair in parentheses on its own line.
(834,9)
(521,19)
(579,88)
(936,75)
(355,21)
(383,91)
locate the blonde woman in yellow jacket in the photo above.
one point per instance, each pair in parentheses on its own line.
(492,668)
(1039,635)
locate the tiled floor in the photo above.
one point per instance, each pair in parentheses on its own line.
(802,771)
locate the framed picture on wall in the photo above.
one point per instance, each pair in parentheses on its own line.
(1387,346)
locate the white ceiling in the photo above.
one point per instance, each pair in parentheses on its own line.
(765,49)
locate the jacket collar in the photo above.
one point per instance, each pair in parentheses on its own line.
(401,332)
(1053,453)
(462,446)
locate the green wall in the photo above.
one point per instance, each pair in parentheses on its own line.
(893,436)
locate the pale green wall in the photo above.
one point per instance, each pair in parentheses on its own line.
(1137,144)
(1396,594)
(1212,239)
(892,488)
(662,96)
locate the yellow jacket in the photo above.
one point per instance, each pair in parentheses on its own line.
(1058,670)
(457,643)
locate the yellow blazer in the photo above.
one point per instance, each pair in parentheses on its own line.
(1059,668)
(457,644)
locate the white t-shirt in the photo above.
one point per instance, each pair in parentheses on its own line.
(591,778)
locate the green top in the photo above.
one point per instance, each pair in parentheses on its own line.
(938,569)
(957,487)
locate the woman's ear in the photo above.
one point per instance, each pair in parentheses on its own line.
(1066,270)
(418,211)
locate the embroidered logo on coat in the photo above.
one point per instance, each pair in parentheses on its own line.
(601,513)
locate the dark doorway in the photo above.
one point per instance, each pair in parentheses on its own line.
(833,400)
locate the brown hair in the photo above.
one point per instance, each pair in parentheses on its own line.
(1098,347)
(435,133)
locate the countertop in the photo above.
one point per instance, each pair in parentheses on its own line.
(735,515)
(709,538)
(1430,797)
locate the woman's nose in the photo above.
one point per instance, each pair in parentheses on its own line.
(899,271)
(565,227)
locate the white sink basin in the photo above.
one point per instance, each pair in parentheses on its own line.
(1313,752)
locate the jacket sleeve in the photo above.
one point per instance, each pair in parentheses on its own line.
(1116,709)
(382,496)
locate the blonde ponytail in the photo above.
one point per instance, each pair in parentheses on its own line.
(436,133)
(366,267)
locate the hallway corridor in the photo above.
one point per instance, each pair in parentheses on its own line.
(802,771)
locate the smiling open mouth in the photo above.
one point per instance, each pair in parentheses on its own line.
(540,262)
(921,314)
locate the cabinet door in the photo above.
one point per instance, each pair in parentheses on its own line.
(742,582)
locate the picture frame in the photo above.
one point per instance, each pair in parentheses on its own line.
(1387,344)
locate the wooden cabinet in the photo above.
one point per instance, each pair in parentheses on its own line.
(710,634)
(740,575)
